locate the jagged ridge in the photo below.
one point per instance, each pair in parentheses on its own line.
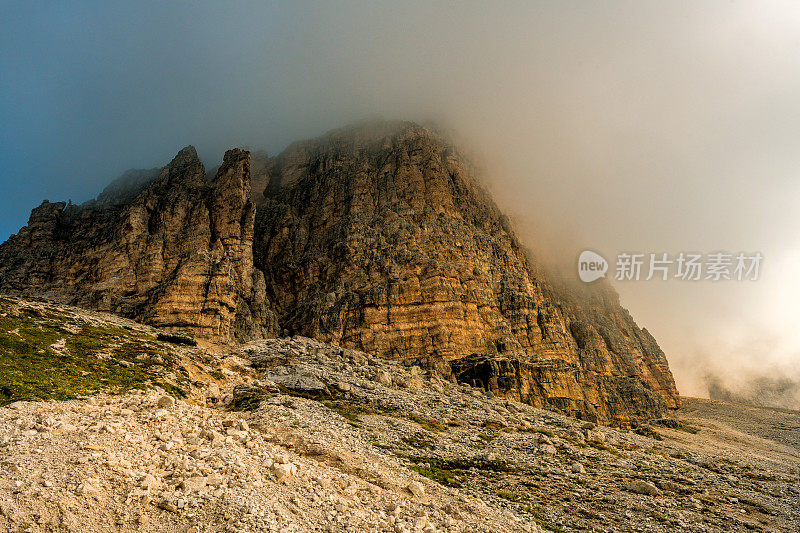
(376,237)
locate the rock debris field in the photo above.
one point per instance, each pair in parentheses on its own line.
(292,435)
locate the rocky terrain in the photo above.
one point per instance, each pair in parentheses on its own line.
(178,254)
(291,434)
(376,237)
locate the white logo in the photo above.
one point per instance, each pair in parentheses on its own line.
(591,266)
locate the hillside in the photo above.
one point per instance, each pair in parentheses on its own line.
(295,435)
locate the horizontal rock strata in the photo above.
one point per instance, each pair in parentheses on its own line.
(376,237)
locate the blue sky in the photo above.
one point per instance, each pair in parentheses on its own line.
(90,89)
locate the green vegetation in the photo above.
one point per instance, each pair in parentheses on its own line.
(349,410)
(676,424)
(45,354)
(439,471)
(418,441)
(761,508)
(42,358)
(759,477)
(604,447)
(250,401)
(510,496)
(172,390)
(589,515)
(451,472)
(427,423)
(539,516)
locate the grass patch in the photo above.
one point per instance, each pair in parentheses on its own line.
(760,507)
(589,515)
(427,423)
(250,401)
(172,390)
(510,496)
(597,445)
(486,438)
(451,472)
(676,424)
(350,411)
(177,338)
(539,516)
(448,478)
(40,360)
(418,441)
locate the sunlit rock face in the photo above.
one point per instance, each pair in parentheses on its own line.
(377,237)
(176,254)
(380,238)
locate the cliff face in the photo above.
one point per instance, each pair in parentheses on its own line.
(382,240)
(174,251)
(374,237)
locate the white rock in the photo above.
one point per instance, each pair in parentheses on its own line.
(193,484)
(416,488)
(547,449)
(148,481)
(283,471)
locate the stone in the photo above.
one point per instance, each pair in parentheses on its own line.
(166,402)
(640,486)
(90,488)
(547,449)
(671,486)
(441,293)
(213,391)
(193,484)
(294,379)
(170,249)
(284,471)
(384,378)
(416,488)
(215,480)
(168,506)
(595,436)
(148,481)
(577,468)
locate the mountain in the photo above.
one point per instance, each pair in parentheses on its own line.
(376,237)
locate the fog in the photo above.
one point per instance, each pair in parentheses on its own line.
(615,126)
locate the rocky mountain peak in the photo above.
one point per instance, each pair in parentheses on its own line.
(376,237)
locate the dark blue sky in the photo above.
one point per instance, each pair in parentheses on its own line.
(90,89)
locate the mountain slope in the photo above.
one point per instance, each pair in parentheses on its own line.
(296,435)
(376,237)
(380,238)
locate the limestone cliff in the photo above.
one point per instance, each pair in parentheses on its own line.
(380,238)
(377,237)
(174,251)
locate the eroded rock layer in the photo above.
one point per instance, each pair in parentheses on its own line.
(174,252)
(380,238)
(376,237)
